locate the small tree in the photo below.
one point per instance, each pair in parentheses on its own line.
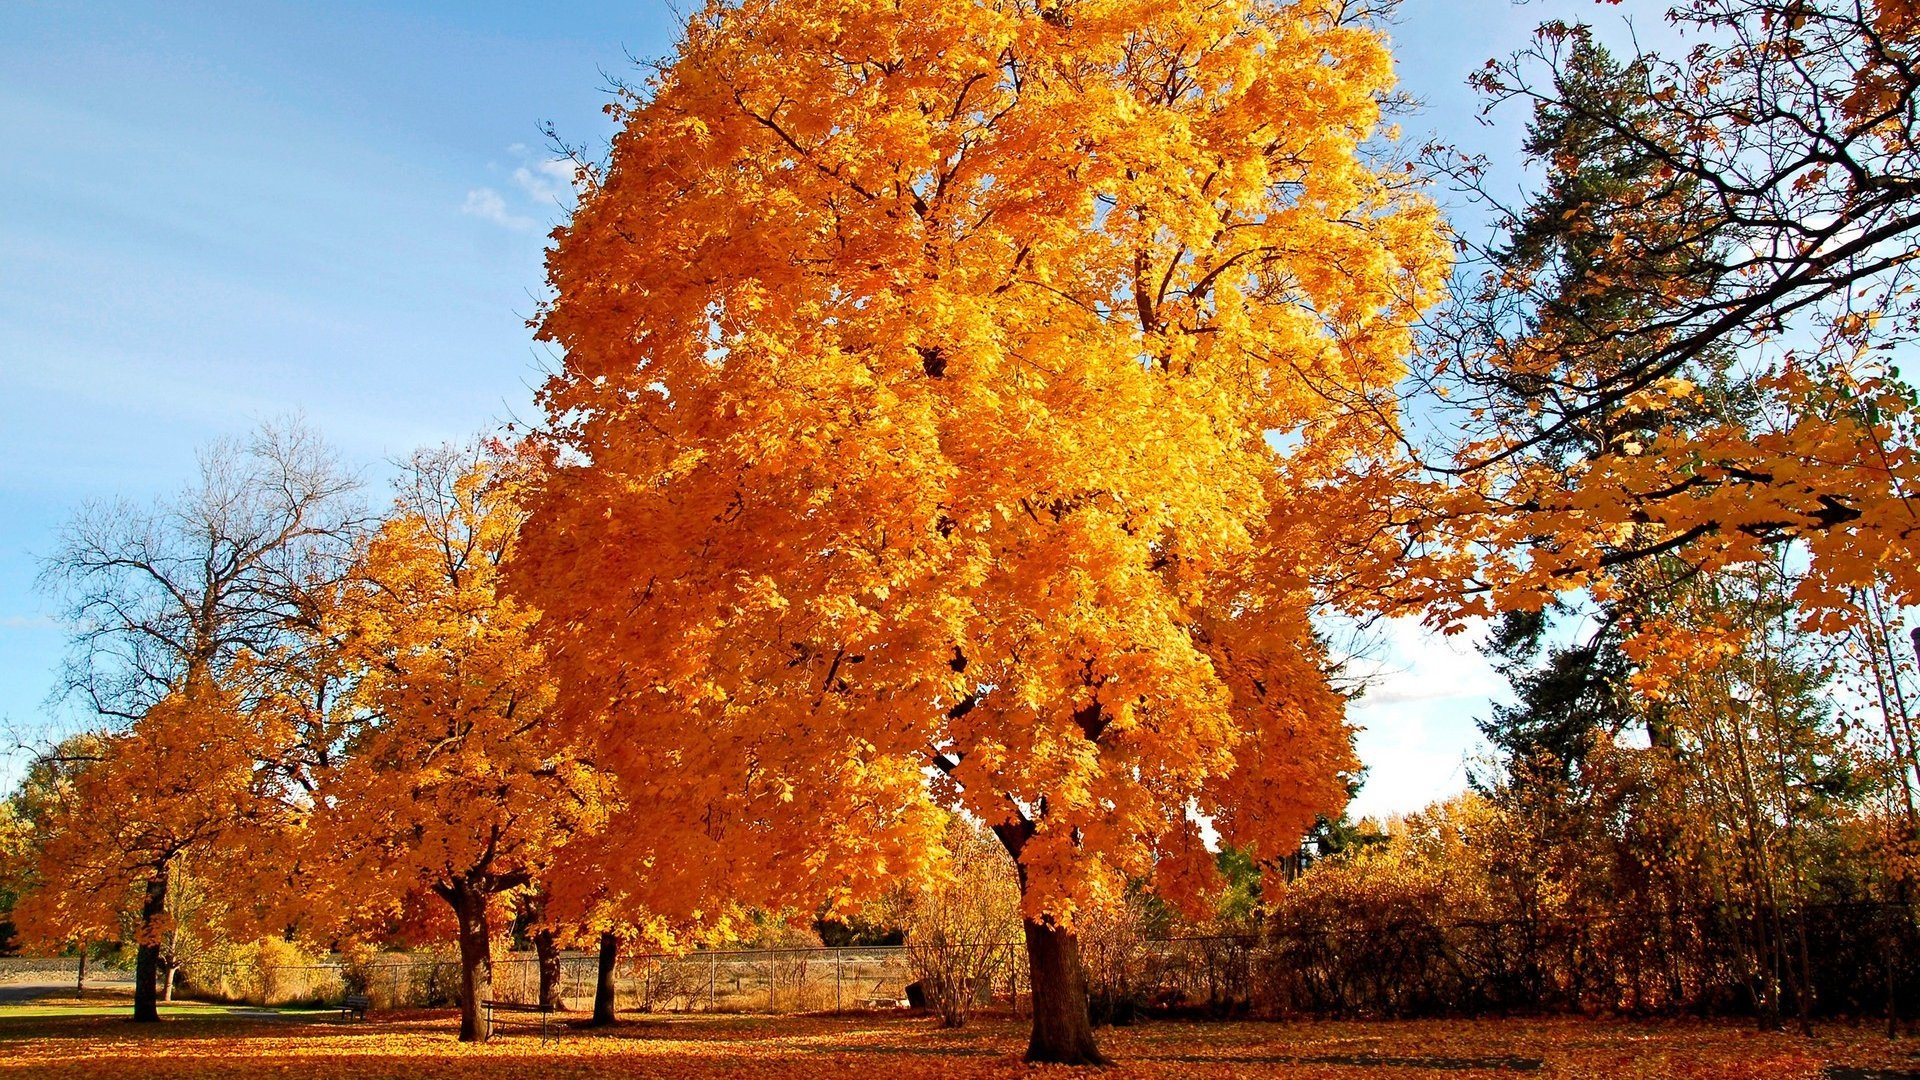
(587,901)
(451,782)
(182,779)
(28,822)
(180,609)
(961,922)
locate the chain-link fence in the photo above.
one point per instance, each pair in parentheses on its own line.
(1858,959)
(794,980)
(742,981)
(762,981)
(63,971)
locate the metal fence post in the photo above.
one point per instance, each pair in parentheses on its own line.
(838,964)
(713,975)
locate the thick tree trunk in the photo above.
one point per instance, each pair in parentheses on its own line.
(603,984)
(549,954)
(1062,1027)
(1062,1030)
(146,964)
(476,958)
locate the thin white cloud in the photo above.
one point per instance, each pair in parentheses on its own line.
(488,205)
(539,186)
(27,622)
(547,181)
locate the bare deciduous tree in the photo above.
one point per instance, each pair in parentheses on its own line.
(182,587)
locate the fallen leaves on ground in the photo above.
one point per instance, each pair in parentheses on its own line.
(421,1046)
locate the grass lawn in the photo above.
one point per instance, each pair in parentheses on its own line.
(59,1039)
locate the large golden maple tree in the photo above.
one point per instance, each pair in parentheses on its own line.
(970,403)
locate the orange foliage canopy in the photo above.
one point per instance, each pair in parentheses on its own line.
(183,777)
(985,389)
(1833,469)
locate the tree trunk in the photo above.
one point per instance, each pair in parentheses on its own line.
(146,966)
(549,954)
(476,958)
(1062,1030)
(170,962)
(603,984)
(1062,1027)
(1803,994)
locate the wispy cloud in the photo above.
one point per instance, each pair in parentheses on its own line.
(533,189)
(1424,693)
(547,181)
(28,622)
(488,205)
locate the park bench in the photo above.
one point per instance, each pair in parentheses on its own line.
(517,1008)
(355,1005)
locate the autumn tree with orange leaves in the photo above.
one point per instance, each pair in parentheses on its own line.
(1679,379)
(1681,361)
(450,782)
(184,614)
(128,811)
(609,888)
(971,404)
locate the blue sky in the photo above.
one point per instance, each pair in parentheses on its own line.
(222,212)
